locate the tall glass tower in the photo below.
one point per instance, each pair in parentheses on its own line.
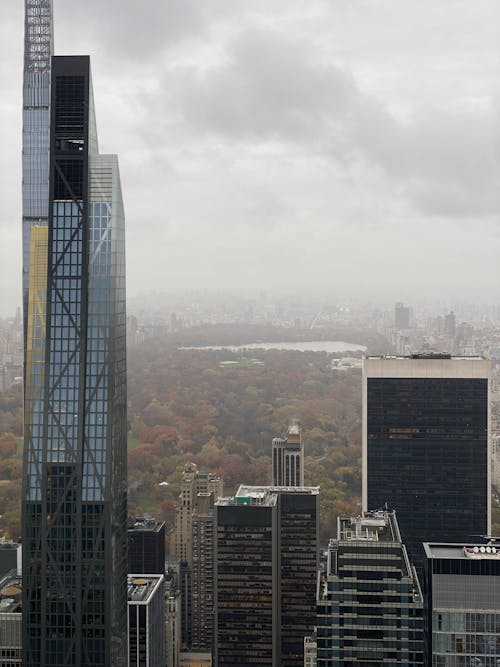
(74,493)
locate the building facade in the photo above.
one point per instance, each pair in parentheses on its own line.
(426,446)
(202,576)
(463,605)
(370,606)
(146,620)
(75,477)
(38,50)
(265,575)
(172,624)
(146,545)
(288,458)
(401,316)
(193,483)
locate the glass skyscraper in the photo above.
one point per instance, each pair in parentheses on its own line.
(74,493)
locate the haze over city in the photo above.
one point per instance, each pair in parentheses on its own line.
(347,148)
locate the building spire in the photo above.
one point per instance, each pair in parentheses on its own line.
(38,35)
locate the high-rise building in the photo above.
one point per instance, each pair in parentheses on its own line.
(265,576)
(38,48)
(370,606)
(146,620)
(193,483)
(202,575)
(463,604)
(288,458)
(75,477)
(401,316)
(450,325)
(146,545)
(426,446)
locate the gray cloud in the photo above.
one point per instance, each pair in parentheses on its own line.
(135,31)
(270,86)
(334,137)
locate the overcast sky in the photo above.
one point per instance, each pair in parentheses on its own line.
(338,147)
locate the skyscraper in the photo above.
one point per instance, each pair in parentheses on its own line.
(288,457)
(146,545)
(38,47)
(401,316)
(266,558)
(426,449)
(146,620)
(193,483)
(370,606)
(75,479)
(202,574)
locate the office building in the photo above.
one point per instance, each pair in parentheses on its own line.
(288,458)
(202,575)
(463,604)
(146,620)
(75,477)
(146,545)
(265,576)
(426,446)
(370,606)
(193,483)
(10,620)
(401,316)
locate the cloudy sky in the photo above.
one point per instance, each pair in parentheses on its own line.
(337,147)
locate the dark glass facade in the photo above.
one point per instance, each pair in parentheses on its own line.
(146,546)
(298,571)
(246,581)
(265,575)
(74,494)
(427,456)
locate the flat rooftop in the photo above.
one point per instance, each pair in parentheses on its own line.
(263,499)
(374,526)
(444,550)
(259,491)
(140,587)
(145,523)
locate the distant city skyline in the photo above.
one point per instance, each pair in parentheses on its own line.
(354,142)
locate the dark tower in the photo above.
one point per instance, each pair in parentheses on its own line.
(75,479)
(426,448)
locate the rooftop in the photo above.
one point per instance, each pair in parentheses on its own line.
(490,551)
(376,526)
(141,587)
(145,523)
(259,491)
(10,593)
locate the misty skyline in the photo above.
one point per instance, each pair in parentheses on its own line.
(345,149)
